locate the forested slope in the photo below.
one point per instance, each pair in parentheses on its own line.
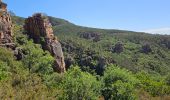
(101,64)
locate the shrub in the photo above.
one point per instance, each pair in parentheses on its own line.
(4,70)
(119,84)
(36,60)
(78,85)
(167,80)
(154,84)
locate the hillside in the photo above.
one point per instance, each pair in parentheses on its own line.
(101,65)
(134,55)
(140,51)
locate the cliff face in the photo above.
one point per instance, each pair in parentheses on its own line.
(6,36)
(40,30)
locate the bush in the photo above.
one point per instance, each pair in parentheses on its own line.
(4,70)
(154,84)
(6,56)
(119,84)
(167,80)
(78,85)
(36,60)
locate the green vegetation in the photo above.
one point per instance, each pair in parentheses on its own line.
(78,85)
(118,65)
(139,51)
(119,84)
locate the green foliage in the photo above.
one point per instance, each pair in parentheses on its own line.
(78,85)
(36,59)
(33,76)
(25,86)
(131,58)
(53,80)
(119,84)
(18,20)
(4,70)
(6,56)
(6,63)
(167,79)
(154,84)
(16,81)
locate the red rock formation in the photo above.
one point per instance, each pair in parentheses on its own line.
(6,36)
(39,28)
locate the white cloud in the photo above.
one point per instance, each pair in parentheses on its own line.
(159,31)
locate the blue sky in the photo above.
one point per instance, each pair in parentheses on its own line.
(134,15)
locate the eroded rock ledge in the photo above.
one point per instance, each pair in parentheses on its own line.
(40,30)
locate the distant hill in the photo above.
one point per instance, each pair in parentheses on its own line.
(159,31)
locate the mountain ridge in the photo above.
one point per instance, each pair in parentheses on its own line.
(59,22)
(163,31)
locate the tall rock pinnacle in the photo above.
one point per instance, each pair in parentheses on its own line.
(40,30)
(6,36)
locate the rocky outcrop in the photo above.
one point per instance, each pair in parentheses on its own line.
(91,35)
(69,60)
(101,66)
(19,53)
(40,30)
(6,36)
(118,48)
(146,48)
